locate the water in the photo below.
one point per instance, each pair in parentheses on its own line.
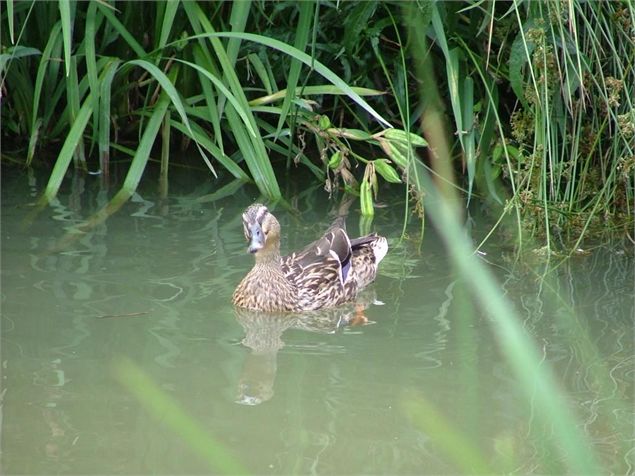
(149,290)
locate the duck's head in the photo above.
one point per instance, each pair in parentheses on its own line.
(262,230)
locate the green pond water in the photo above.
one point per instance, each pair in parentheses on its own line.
(99,328)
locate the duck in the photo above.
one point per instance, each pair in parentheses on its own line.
(326,273)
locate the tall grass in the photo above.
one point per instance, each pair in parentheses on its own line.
(541,95)
(538,96)
(115,62)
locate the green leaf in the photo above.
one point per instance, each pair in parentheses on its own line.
(252,147)
(13,53)
(469,140)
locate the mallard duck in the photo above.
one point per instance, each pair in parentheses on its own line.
(327,272)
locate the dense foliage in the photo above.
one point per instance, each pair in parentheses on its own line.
(536,97)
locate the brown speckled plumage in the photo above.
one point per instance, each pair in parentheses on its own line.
(326,273)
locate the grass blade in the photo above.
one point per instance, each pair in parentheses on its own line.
(167,411)
(105,91)
(172,93)
(37,91)
(91,63)
(301,39)
(252,147)
(309,61)
(213,115)
(142,154)
(73,95)
(10,20)
(121,29)
(70,144)
(317,90)
(242,112)
(197,134)
(67,33)
(171,8)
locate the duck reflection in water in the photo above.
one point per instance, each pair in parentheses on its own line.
(263,335)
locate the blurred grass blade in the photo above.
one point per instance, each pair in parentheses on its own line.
(237,20)
(13,53)
(465,455)
(536,379)
(169,412)
(261,72)
(165,155)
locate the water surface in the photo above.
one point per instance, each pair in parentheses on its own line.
(151,287)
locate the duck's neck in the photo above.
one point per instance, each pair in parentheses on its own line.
(268,258)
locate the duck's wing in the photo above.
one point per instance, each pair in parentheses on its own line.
(333,249)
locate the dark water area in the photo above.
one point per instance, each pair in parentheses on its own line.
(150,287)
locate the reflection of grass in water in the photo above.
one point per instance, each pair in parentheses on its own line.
(168,411)
(400,261)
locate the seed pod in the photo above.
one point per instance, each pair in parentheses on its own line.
(324,122)
(386,171)
(398,135)
(366,199)
(336,160)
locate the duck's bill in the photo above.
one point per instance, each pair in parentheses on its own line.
(257,238)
